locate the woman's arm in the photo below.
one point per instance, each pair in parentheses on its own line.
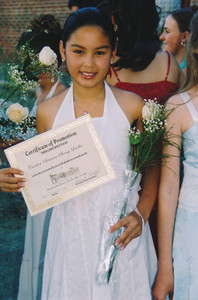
(167,204)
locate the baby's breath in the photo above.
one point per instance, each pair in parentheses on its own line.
(147,145)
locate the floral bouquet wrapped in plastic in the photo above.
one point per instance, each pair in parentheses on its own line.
(146,149)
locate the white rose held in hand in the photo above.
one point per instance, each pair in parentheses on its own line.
(150,110)
(17,113)
(47,56)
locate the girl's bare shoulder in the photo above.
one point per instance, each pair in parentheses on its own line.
(47,110)
(173,70)
(52,103)
(180,114)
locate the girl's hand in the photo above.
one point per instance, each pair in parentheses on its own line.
(164,285)
(133,222)
(9,183)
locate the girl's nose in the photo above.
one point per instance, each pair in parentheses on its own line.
(89,61)
(161,36)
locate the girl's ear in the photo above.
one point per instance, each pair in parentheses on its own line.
(62,51)
(113,54)
(185,36)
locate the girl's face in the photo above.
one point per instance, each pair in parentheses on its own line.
(171,36)
(88,53)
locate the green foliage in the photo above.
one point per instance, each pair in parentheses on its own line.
(147,145)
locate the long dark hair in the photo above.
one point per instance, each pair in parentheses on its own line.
(138,42)
(89,16)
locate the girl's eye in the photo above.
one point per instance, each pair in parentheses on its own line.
(100,53)
(78,51)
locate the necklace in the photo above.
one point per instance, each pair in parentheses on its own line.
(85,112)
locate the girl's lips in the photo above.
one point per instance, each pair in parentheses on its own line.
(164,45)
(88,74)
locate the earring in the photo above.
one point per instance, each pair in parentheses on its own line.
(115,27)
(63,60)
(111,62)
(183,44)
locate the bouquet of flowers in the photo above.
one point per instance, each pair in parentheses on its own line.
(21,76)
(15,122)
(24,72)
(146,149)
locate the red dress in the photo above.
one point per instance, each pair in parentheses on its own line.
(159,91)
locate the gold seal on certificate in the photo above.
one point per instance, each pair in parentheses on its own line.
(61,163)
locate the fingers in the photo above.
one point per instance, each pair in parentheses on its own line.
(133,224)
(9,183)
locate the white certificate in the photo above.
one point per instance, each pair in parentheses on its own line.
(61,163)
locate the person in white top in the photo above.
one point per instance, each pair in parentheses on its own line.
(72,252)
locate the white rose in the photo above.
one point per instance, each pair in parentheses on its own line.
(17,113)
(150,110)
(47,56)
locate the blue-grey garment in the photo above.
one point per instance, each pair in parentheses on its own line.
(185,244)
(183,64)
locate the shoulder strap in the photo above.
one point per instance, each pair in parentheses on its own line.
(169,62)
(190,106)
(51,92)
(114,71)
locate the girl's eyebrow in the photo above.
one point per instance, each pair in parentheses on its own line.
(81,47)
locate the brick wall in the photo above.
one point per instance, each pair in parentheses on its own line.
(16,14)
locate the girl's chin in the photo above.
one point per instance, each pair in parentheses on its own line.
(165,47)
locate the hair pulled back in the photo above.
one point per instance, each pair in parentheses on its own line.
(183,17)
(43,30)
(138,42)
(192,56)
(89,16)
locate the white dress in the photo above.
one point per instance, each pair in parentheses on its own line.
(75,228)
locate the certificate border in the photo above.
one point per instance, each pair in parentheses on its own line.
(12,151)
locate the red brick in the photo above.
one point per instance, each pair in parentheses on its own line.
(16,14)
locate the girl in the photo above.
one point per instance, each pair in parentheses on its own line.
(176,33)
(43,30)
(140,66)
(178,211)
(88,46)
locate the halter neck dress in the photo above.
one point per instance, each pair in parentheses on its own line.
(185,242)
(76,226)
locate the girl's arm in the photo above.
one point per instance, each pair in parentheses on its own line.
(167,204)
